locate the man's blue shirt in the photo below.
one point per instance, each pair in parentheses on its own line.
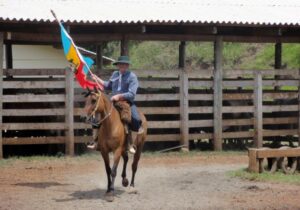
(129,85)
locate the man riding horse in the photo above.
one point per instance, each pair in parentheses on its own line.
(123,84)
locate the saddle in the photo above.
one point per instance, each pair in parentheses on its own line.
(124,110)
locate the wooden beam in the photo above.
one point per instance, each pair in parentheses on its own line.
(218,95)
(258,111)
(1,92)
(181,62)
(99,58)
(69,112)
(8,56)
(184,99)
(299,112)
(124,46)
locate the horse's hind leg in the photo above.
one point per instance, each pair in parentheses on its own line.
(134,166)
(124,179)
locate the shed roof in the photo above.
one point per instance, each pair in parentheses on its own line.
(227,12)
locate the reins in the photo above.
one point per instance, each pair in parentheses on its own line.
(97,106)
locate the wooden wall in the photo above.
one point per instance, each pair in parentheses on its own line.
(36,108)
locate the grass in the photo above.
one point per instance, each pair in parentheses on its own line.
(278,177)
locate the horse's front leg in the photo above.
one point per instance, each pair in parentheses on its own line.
(124,179)
(117,156)
(109,192)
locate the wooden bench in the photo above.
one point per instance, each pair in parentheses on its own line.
(285,157)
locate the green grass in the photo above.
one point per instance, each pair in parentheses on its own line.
(278,177)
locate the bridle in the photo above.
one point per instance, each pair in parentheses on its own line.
(98,95)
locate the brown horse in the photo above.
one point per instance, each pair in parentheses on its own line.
(112,138)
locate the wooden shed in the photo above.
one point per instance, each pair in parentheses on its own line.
(42,106)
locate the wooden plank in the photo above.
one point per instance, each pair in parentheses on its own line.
(249,83)
(201,97)
(31,72)
(33,98)
(160,110)
(237,109)
(270,73)
(200,123)
(202,83)
(163,137)
(281,120)
(283,132)
(280,95)
(196,136)
(238,83)
(33,126)
(157,97)
(200,74)
(159,84)
(201,110)
(237,122)
(280,108)
(33,84)
(240,134)
(34,140)
(157,73)
(184,109)
(237,96)
(218,77)
(258,113)
(33,112)
(69,113)
(1,92)
(164,124)
(289,152)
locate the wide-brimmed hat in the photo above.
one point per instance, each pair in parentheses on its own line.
(122,59)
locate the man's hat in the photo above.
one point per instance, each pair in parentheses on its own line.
(122,59)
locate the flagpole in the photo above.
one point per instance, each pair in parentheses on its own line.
(95,77)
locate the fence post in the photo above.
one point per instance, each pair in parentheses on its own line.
(258,111)
(184,109)
(1,92)
(99,59)
(299,112)
(218,95)
(69,112)
(184,99)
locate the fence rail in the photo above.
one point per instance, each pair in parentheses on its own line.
(35,105)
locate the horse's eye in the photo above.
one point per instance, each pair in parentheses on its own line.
(93,101)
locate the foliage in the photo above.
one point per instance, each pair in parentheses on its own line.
(199,55)
(276,177)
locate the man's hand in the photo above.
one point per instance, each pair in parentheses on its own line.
(117,97)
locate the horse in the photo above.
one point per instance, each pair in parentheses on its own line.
(112,138)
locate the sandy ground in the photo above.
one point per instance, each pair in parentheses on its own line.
(163,182)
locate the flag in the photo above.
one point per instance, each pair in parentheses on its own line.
(82,63)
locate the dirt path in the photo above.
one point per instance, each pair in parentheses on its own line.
(188,182)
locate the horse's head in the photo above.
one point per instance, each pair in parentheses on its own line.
(94,103)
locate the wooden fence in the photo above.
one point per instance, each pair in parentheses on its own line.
(43,106)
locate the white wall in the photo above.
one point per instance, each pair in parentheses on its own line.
(37,56)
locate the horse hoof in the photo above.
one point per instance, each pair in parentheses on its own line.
(109,197)
(132,190)
(125,182)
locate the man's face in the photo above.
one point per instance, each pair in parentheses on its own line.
(122,67)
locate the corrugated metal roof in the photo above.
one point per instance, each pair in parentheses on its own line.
(243,12)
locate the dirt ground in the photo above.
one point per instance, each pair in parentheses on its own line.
(163,182)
